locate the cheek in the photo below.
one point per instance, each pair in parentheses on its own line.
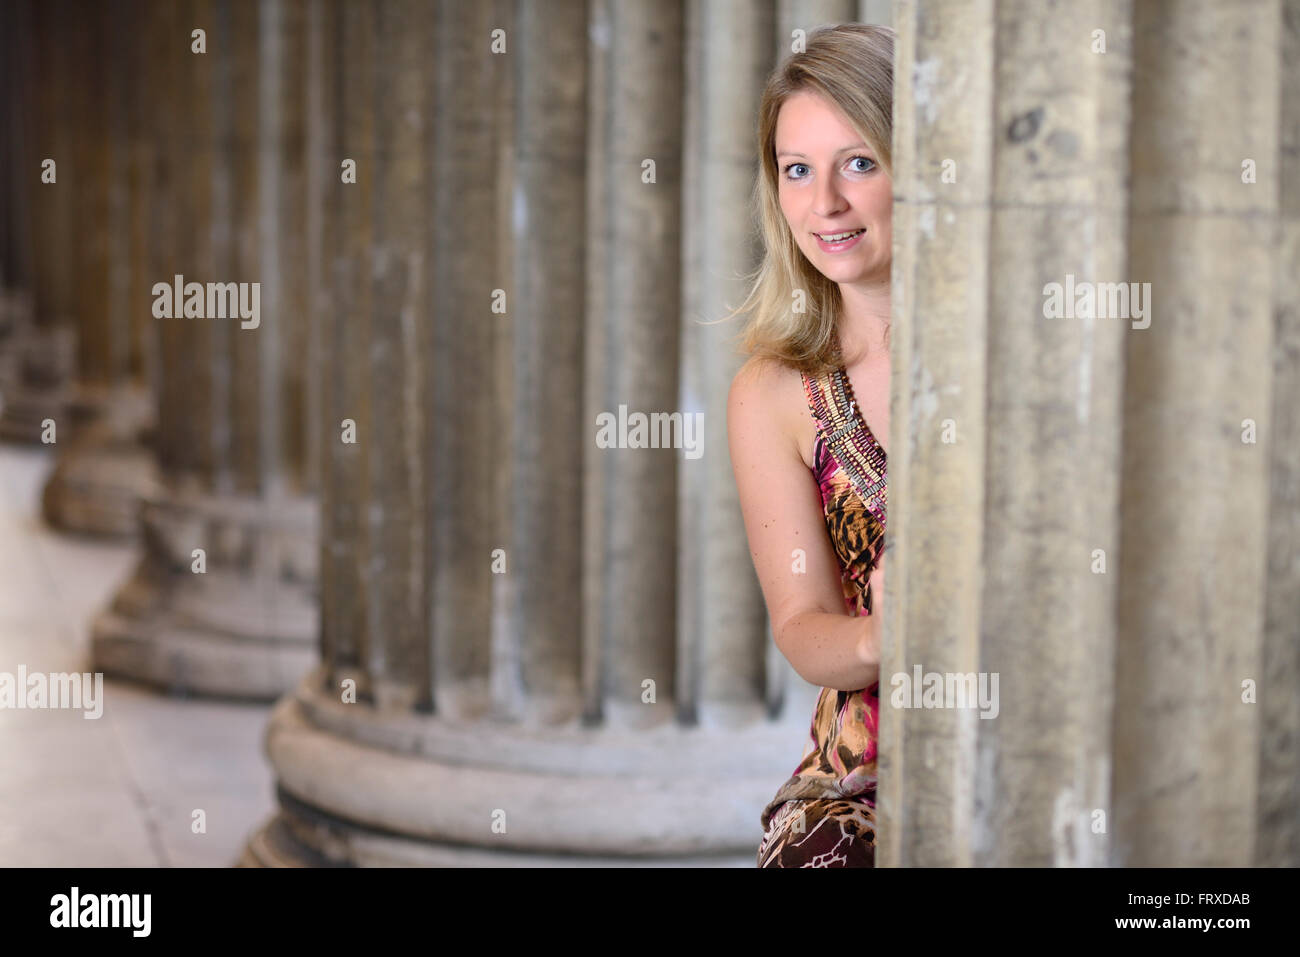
(883,201)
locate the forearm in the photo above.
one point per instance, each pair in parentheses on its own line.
(823,649)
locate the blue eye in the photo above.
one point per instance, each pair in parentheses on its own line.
(864,159)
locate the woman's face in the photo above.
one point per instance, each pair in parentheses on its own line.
(829,183)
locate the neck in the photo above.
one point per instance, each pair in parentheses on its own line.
(864,320)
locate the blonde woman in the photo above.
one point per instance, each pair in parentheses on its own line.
(808,422)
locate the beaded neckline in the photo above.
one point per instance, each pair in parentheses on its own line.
(844,432)
(844,387)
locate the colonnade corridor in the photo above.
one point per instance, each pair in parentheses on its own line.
(366,369)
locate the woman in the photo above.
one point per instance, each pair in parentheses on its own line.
(808,423)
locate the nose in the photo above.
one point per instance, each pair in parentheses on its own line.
(828,200)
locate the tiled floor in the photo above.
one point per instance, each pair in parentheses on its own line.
(121,790)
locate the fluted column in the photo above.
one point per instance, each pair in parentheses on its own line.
(18,170)
(537,651)
(468,449)
(393,556)
(540,718)
(636,547)
(724,652)
(1199,428)
(876,11)
(806,16)
(104,468)
(1277,837)
(1081,503)
(223,601)
(37,359)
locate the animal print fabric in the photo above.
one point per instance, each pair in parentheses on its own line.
(824,815)
(826,833)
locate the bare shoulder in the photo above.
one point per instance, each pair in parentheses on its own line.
(767,395)
(778,496)
(767,383)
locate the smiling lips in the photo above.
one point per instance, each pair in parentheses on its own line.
(838,237)
(839,242)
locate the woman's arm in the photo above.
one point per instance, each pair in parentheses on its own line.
(783,511)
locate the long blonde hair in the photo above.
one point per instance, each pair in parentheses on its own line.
(852,66)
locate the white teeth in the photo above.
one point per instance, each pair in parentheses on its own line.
(837,237)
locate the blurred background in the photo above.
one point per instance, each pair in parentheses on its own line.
(365,588)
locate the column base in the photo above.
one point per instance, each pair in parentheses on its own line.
(98,490)
(277,844)
(107,471)
(362,787)
(244,628)
(36,381)
(273,845)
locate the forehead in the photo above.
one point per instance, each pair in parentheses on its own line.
(808,121)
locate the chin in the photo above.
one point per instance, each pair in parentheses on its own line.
(846,272)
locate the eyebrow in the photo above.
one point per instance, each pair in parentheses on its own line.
(842,149)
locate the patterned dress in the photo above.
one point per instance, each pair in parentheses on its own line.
(825,814)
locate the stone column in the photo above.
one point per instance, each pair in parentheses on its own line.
(1081,504)
(513,726)
(631,540)
(468,451)
(876,11)
(1277,836)
(104,469)
(38,358)
(724,652)
(536,660)
(18,167)
(808,15)
(223,601)
(1199,429)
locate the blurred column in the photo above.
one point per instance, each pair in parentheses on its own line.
(104,469)
(38,357)
(807,16)
(876,11)
(18,167)
(632,539)
(537,642)
(511,729)
(471,213)
(223,601)
(722,639)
